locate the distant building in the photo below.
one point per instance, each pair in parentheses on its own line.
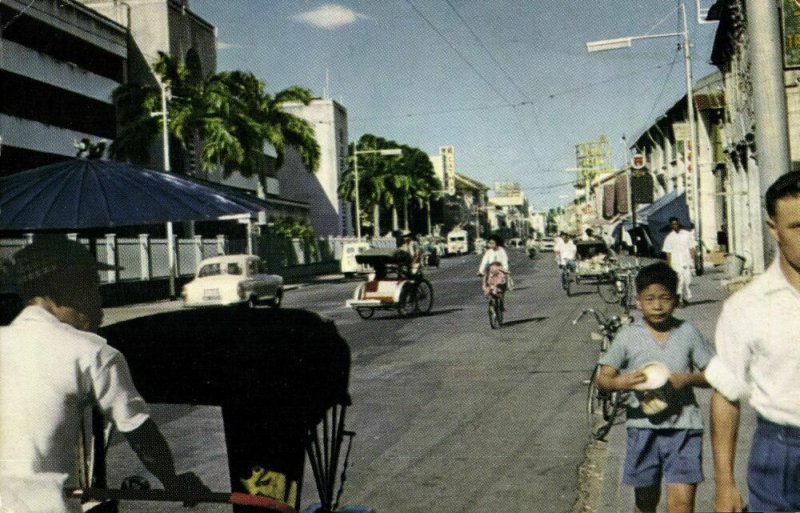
(59,63)
(329,214)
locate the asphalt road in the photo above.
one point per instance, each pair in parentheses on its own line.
(450,415)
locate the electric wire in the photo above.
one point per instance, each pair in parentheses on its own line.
(5,26)
(458,52)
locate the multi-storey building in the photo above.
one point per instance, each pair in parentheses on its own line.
(59,63)
(329,214)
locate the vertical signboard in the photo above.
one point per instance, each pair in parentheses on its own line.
(791,33)
(593,158)
(683,135)
(448,152)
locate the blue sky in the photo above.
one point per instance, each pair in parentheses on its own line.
(507,82)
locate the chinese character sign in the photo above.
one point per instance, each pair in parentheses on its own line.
(449,168)
(791,33)
(593,158)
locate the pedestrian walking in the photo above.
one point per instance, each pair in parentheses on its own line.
(53,367)
(758,358)
(680,249)
(664,424)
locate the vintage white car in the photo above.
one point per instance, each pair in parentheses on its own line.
(232,279)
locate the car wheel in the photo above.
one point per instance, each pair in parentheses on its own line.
(252,302)
(277,300)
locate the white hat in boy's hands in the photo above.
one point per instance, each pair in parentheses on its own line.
(657,376)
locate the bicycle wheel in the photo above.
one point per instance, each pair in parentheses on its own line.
(570,285)
(493,310)
(501,300)
(407,303)
(424,299)
(609,290)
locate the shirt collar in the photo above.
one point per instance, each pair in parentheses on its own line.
(36,313)
(776,279)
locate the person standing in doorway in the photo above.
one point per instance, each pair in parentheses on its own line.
(680,250)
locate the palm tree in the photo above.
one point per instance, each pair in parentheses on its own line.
(228,115)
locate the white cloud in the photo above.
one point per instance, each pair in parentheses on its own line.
(222,45)
(329,16)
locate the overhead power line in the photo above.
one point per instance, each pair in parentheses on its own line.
(458,52)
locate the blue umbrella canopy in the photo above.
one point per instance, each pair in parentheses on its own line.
(81,193)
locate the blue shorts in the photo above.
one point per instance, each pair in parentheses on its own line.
(773,473)
(674,454)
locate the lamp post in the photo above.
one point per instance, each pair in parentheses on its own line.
(625,42)
(165,143)
(356,153)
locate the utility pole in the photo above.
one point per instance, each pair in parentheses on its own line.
(769,104)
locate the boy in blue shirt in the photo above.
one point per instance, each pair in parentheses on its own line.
(666,444)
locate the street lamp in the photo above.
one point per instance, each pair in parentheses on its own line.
(625,42)
(356,153)
(164,114)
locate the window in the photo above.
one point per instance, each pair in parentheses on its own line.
(234,268)
(209,270)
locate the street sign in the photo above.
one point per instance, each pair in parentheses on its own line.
(638,161)
(791,33)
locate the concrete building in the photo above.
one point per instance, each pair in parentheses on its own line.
(167,26)
(670,164)
(59,63)
(329,214)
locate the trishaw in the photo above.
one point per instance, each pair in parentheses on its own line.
(593,264)
(393,286)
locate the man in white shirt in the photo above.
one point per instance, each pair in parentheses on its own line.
(758,358)
(569,252)
(558,243)
(680,249)
(53,367)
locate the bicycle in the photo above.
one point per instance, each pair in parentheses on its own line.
(567,272)
(495,285)
(607,405)
(618,285)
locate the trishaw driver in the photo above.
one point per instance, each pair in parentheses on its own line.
(53,367)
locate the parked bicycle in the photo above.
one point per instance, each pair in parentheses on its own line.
(617,287)
(603,408)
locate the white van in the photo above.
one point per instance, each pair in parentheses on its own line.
(348,264)
(457,242)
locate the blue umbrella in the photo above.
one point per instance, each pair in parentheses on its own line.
(81,193)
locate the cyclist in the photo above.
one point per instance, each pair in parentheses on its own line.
(494,266)
(567,255)
(411,247)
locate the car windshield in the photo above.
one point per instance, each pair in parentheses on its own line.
(209,270)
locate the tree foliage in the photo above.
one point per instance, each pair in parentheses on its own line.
(225,118)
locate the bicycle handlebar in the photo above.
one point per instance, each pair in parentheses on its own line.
(601,319)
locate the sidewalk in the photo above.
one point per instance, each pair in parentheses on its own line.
(616,497)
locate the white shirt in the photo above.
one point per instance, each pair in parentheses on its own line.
(758,348)
(491,256)
(568,252)
(50,373)
(679,245)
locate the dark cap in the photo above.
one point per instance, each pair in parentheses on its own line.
(50,254)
